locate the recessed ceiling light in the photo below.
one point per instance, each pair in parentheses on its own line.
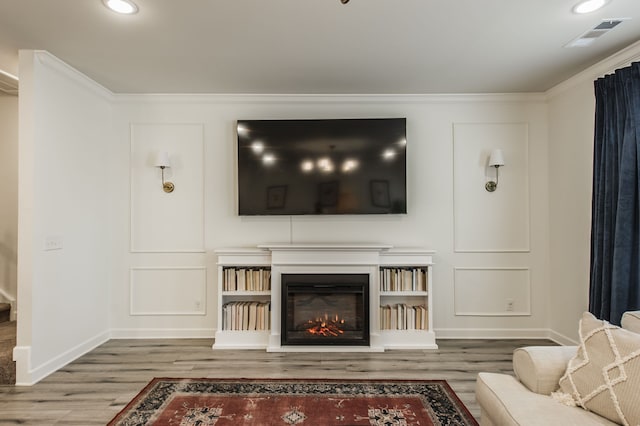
(126,7)
(589,6)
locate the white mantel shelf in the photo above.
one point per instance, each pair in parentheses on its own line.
(325,247)
(319,258)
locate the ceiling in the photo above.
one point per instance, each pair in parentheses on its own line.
(316,46)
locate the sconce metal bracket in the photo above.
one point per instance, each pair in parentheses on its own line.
(168,187)
(492,185)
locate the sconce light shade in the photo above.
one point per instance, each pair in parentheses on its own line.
(162,159)
(496,159)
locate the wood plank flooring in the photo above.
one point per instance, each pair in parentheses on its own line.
(94,388)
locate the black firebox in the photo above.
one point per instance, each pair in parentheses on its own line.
(325,309)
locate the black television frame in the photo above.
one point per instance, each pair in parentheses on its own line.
(387,191)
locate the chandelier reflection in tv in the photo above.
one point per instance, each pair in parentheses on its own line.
(341,166)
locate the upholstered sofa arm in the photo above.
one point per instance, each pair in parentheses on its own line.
(539,368)
(631,321)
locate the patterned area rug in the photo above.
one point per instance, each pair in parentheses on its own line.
(202,402)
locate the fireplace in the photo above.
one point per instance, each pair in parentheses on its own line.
(325,309)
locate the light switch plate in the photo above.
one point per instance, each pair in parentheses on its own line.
(53,242)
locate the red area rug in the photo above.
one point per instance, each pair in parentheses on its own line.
(203,402)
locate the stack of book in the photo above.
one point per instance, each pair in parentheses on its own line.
(403,317)
(247,279)
(246,316)
(403,279)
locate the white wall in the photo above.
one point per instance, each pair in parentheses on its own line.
(137,262)
(571,124)
(429,222)
(9,197)
(65,194)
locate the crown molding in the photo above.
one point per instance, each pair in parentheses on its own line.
(214,98)
(47,59)
(620,59)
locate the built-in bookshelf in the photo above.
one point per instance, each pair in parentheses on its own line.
(407,282)
(244,289)
(244,299)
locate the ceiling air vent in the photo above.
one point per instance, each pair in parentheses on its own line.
(8,83)
(598,31)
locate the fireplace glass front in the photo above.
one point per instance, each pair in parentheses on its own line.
(325,309)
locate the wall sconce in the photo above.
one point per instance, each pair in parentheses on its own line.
(495,160)
(162,161)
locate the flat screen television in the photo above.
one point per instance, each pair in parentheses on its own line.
(322,167)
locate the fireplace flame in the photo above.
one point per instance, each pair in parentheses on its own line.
(325,326)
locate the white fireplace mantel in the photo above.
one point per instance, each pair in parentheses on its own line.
(328,255)
(325,247)
(324,258)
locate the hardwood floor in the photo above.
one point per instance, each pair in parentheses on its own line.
(94,388)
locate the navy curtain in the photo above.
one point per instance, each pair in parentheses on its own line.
(615,226)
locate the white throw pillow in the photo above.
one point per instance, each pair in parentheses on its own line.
(604,376)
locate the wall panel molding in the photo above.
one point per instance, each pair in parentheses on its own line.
(168,291)
(161,222)
(485,291)
(491,222)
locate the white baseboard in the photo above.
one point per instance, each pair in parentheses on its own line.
(561,339)
(492,333)
(22,357)
(504,333)
(163,333)
(27,376)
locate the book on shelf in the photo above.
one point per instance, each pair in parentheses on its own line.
(246,316)
(246,279)
(403,279)
(402,316)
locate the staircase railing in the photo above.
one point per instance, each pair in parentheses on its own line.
(7,298)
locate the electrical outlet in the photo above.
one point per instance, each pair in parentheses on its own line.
(509,305)
(53,242)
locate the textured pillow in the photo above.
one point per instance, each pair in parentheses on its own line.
(604,376)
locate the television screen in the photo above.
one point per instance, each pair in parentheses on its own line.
(319,167)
